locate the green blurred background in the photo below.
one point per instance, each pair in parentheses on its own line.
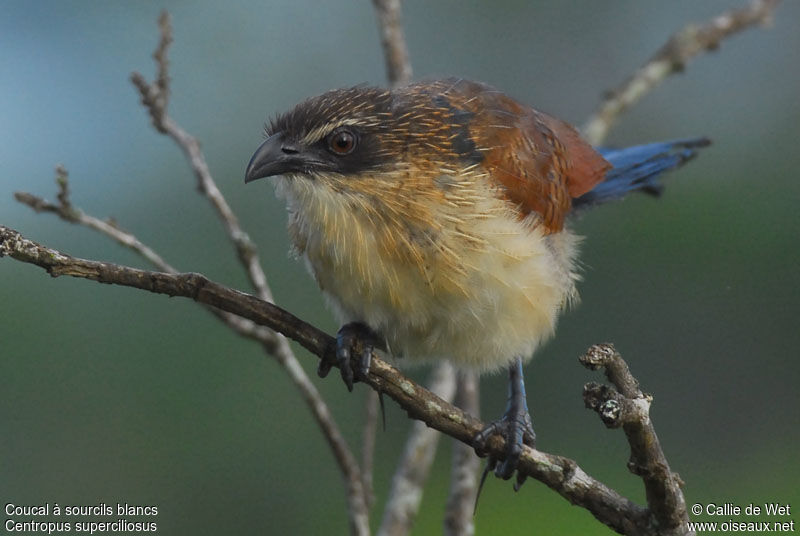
(115,395)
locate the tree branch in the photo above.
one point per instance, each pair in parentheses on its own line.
(64,210)
(371,403)
(628,407)
(154,97)
(561,474)
(672,58)
(395,51)
(458,518)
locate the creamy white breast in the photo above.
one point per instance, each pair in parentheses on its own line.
(462,278)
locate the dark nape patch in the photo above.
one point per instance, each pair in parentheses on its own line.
(461,143)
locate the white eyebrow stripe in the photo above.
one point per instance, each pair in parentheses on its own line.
(316,134)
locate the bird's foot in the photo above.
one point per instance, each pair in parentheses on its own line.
(353,353)
(516,428)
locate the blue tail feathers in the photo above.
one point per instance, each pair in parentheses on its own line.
(639,168)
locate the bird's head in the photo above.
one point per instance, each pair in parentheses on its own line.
(339,132)
(365,132)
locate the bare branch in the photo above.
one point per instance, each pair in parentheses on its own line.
(672,58)
(371,403)
(67,212)
(154,98)
(628,407)
(414,466)
(357,505)
(395,51)
(162,63)
(458,517)
(561,474)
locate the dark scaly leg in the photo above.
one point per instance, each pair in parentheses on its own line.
(354,342)
(515,426)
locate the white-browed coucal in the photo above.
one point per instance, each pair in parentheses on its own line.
(435,218)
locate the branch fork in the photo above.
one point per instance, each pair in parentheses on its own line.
(623,404)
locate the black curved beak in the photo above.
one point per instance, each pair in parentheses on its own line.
(273,157)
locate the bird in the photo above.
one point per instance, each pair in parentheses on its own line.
(436,219)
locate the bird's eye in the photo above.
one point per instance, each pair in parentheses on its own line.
(342,142)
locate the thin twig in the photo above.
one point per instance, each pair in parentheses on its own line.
(672,58)
(458,516)
(561,474)
(371,403)
(155,98)
(415,463)
(162,62)
(64,210)
(628,407)
(395,51)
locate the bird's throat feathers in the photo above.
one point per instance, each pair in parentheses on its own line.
(421,219)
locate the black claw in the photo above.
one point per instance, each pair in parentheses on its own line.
(520,481)
(354,341)
(490,463)
(509,465)
(324,368)
(343,358)
(383,410)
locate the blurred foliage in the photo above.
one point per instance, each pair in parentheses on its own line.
(119,396)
